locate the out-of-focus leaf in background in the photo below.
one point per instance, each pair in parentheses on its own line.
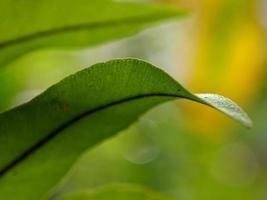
(71,24)
(118,192)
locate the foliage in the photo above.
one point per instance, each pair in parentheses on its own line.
(67,24)
(40,140)
(118,191)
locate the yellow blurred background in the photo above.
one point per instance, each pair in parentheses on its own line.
(228,55)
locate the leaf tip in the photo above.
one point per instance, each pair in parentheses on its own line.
(228,107)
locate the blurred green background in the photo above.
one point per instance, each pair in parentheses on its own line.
(179,148)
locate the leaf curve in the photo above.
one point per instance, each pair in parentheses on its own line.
(82,110)
(71,24)
(118,192)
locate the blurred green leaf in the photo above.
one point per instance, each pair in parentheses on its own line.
(41,139)
(118,192)
(30,25)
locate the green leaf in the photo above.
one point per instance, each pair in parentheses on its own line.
(30,25)
(118,192)
(41,139)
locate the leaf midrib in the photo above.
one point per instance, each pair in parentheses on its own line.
(77,27)
(55,132)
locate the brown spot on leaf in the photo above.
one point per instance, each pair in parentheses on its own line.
(63,107)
